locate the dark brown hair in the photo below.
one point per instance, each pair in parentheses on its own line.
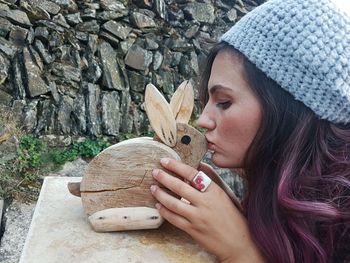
(297,173)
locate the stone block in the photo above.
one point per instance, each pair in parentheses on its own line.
(59,232)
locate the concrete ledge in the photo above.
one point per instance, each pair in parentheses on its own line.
(59,232)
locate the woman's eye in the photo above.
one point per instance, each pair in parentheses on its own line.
(224,105)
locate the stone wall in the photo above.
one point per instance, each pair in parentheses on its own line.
(80,67)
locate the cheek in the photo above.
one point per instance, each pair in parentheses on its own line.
(240,129)
(235,143)
(250,130)
(229,133)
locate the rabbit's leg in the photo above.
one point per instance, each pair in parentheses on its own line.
(125,218)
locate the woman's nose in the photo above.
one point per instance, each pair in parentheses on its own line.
(205,121)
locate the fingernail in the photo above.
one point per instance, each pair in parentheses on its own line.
(153,188)
(157,206)
(155,172)
(164,161)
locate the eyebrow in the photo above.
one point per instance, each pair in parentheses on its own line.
(214,88)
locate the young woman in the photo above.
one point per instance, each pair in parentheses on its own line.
(277,107)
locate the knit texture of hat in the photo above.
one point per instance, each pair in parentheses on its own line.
(304,45)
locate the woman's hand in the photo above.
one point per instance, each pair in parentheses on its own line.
(211,218)
(208,170)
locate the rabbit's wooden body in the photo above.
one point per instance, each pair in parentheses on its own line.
(120,176)
(115,189)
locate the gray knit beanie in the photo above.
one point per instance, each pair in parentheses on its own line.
(304,45)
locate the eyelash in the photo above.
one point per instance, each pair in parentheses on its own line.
(224,105)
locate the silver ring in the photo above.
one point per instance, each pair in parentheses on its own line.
(201,181)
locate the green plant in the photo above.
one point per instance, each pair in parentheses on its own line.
(148,134)
(90,147)
(30,152)
(61,156)
(87,149)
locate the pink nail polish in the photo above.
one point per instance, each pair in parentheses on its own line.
(164,161)
(153,188)
(157,206)
(155,172)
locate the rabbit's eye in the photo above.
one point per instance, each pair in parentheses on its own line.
(186,139)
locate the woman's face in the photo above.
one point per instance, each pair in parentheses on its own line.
(232,115)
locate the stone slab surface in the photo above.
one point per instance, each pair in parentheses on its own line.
(59,232)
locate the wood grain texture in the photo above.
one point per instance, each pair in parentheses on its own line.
(126,218)
(74,188)
(182,102)
(160,115)
(120,176)
(193,152)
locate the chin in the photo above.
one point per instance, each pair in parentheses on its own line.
(222,162)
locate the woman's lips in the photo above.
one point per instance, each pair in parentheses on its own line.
(211,146)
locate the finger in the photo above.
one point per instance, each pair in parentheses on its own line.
(179,168)
(177,186)
(208,170)
(176,205)
(185,171)
(221,183)
(174,219)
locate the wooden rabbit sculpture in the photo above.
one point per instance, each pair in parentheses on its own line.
(115,189)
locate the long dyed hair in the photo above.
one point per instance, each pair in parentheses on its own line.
(297,174)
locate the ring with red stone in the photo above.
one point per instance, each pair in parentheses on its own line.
(201,181)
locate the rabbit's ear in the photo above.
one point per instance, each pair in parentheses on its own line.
(182,102)
(160,115)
